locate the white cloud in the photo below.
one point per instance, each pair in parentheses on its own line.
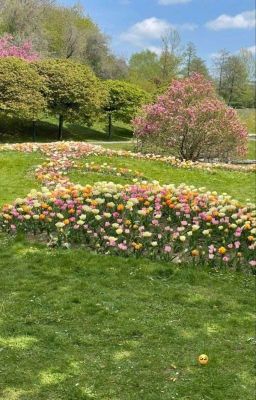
(252,49)
(155,49)
(151,29)
(240,21)
(186,27)
(168,2)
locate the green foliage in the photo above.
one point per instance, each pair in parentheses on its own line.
(145,70)
(71,89)
(124,99)
(192,63)
(61,32)
(152,72)
(65,28)
(234,78)
(20,89)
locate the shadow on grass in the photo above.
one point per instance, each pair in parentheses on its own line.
(17,130)
(79,326)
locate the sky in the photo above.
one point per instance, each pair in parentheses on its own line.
(134,25)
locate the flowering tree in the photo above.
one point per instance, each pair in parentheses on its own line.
(8,48)
(191,122)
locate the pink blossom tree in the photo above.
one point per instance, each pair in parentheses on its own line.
(191,122)
(8,48)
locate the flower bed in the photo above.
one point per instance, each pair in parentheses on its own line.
(80,149)
(163,222)
(107,169)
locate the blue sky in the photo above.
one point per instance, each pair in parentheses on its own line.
(212,25)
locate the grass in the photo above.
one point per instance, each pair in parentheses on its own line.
(251,155)
(15,131)
(239,185)
(247,115)
(84,326)
(81,326)
(16,174)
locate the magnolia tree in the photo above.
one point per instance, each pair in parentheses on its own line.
(191,122)
(8,48)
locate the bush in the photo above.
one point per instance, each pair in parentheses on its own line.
(123,102)
(72,91)
(20,89)
(191,122)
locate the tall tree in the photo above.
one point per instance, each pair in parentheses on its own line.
(24,20)
(61,32)
(189,55)
(169,58)
(198,66)
(235,81)
(220,61)
(248,58)
(145,70)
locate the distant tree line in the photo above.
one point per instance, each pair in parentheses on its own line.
(59,32)
(233,75)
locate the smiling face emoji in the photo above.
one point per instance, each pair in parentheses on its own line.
(203,359)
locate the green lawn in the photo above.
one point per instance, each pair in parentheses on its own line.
(15,131)
(247,115)
(251,150)
(16,174)
(239,185)
(80,326)
(75,325)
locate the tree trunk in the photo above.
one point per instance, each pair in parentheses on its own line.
(109,125)
(231,90)
(189,65)
(60,134)
(220,81)
(34,130)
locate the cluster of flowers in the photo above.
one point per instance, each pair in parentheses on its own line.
(8,48)
(184,164)
(108,169)
(76,150)
(162,222)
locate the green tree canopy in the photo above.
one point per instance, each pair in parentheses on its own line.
(145,70)
(123,101)
(61,32)
(20,89)
(72,91)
